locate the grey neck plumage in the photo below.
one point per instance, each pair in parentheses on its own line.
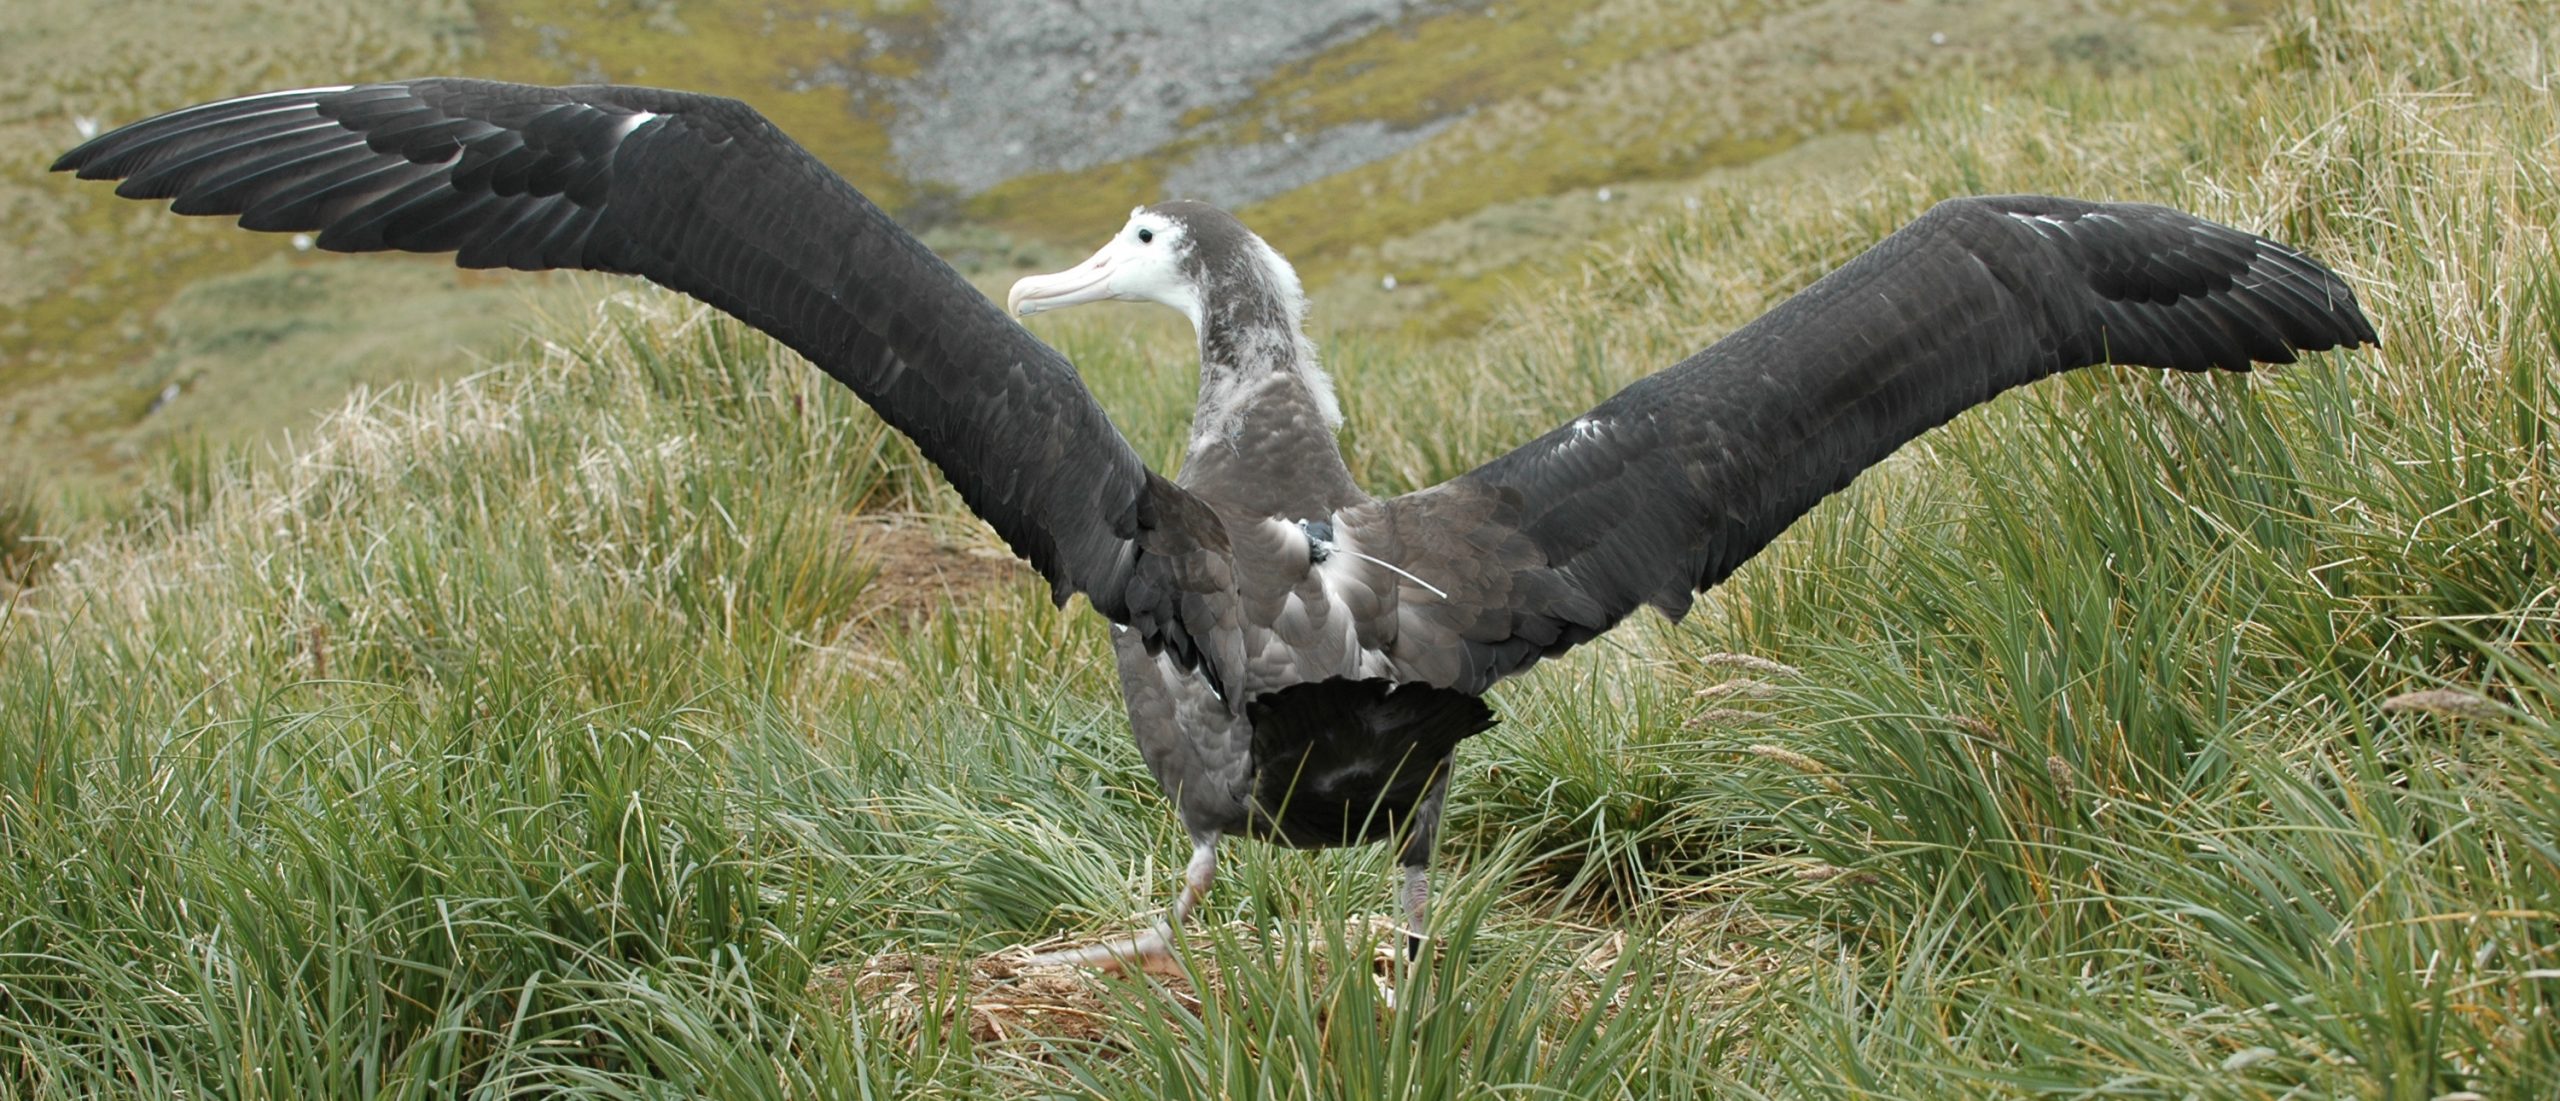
(1262,436)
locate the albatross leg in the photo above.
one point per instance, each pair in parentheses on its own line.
(1415,859)
(1156,944)
(1417,907)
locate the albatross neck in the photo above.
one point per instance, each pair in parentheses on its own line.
(1262,436)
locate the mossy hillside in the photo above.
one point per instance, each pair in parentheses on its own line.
(84,363)
(1547,99)
(91,272)
(810,66)
(211,363)
(99,318)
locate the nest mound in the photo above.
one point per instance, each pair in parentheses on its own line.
(1003,996)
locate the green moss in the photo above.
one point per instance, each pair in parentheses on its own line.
(1556,98)
(1474,57)
(773,55)
(1070,206)
(1551,98)
(1758,80)
(93,330)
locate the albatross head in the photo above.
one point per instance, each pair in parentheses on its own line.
(1244,301)
(1182,254)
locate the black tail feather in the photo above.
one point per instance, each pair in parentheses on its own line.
(1343,762)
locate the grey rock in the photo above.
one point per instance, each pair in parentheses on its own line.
(1021,88)
(1232,176)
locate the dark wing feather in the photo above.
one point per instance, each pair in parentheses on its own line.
(704,196)
(1667,487)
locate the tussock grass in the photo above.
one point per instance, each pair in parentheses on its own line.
(2132,736)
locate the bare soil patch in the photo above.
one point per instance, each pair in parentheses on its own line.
(923,568)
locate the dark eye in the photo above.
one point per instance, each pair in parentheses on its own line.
(1146,236)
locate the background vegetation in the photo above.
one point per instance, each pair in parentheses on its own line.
(108,360)
(544,732)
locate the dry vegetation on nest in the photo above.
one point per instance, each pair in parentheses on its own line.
(1003,998)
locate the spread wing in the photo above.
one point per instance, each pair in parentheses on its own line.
(703,195)
(1667,487)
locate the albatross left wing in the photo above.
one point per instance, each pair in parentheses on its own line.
(703,195)
(1667,487)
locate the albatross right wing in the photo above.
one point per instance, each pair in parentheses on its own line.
(1667,487)
(703,195)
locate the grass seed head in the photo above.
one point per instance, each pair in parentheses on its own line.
(2452,703)
(1749,663)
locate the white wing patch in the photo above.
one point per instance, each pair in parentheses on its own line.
(637,120)
(316,90)
(1583,430)
(2044,224)
(2051,226)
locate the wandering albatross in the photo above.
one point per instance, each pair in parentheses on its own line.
(1299,658)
